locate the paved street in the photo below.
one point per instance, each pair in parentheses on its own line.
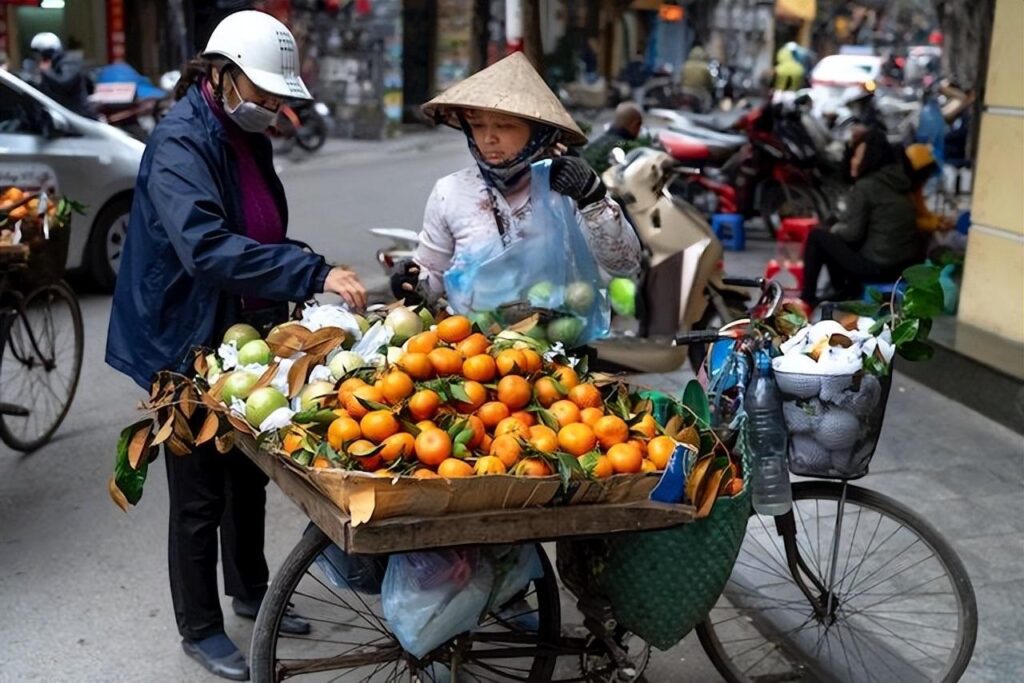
(83,587)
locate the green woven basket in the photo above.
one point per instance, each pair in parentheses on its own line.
(661,584)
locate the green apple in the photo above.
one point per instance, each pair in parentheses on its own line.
(622,293)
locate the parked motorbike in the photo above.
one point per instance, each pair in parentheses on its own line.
(126,99)
(307,122)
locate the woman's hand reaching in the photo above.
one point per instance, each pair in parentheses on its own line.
(346,284)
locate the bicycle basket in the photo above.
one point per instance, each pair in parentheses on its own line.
(661,584)
(833,422)
(47,259)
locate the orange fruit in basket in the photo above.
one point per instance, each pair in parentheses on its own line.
(291,442)
(396,386)
(547,391)
(433,446)
(347,387)
(477,425)
(423,425)
(543,438)
(602,468)
(454,329)
(625,458)
(526,417)
(640,445)
(507,449)
(511,361)
(514,391)
(321,463)
(453,468)
(366,393)
(586,396)
(659,450)
(611,430)
(417,365)
(398,446)
(424,342)
(341,431)
(647,465)
(565,412)
(533,361)
(480,367)
(473,345)
(485,443)
(445,361)
(566,376)
(577,439)
(493,412)
(18,213)
(512,427)
(532,467)
(423,473)
(590,416)
(489,464)
(361,450)
(378,425)
(646,426)
(477,397)
(13,194)
(424,404)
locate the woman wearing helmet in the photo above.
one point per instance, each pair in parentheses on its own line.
(510,119)
(206,248)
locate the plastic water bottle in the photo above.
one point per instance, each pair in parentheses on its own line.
(766,438)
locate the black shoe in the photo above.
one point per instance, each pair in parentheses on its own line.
(218,655)
(290,623)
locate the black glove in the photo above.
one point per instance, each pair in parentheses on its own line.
(404,282)
(574,178)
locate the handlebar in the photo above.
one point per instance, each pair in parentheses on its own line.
(757,282)
(698,337)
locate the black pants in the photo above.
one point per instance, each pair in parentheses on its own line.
(210,490)
(847,269)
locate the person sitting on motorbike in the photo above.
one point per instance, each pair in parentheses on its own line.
(511,119)
(790,73)
(877,237)
(696,74)
(624,132)
(60,77)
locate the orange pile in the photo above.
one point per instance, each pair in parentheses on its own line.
(453,405)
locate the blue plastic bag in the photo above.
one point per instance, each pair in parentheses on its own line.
(550,267)
(430,597)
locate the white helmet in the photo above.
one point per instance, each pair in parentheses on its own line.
(46,42)
(264,49)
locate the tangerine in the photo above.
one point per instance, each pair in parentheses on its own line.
(454,328)
(489,464)
(480,367)
(341,431)
(566,376)
(477,397)
(365,393)
(646,426)
(424,342)
(586,396)
(426,424)
(514,391)
(321,463)
(291,442)
(525,416)
(639,444)
(659,451)
(511,361)
(532,467)
(507,448)
(445,361)
(398,446)
(512,427)
(546,389)
(602,468)
(378,425)
(544,439)
(424,404)
(625,458)
(473,345)
(493,412)
(533,361)
(577,439)
(396,385)
(611,430)
(565,412)
(433,446)
(423,473)
(477,425)
(485,443)
(453,468)
(363,451)
(590,416)
(647,465)
(418,365)
(347,387)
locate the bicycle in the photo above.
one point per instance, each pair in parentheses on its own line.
(848,585)
(41,342)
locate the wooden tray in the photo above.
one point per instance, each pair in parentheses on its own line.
(402,534)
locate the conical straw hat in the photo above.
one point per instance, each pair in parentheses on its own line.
(510,86)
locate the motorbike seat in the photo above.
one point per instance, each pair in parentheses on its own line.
(685,147)
(721,121)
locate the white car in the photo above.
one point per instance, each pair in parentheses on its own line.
(44,145)
(837,78)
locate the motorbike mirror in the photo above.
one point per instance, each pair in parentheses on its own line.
(617,156)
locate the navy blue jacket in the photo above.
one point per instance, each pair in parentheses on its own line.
(187,261)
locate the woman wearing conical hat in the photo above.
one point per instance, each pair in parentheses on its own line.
(511,119)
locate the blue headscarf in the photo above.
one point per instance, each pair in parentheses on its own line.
(507,174)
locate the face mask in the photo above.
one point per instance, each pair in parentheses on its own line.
(249,116)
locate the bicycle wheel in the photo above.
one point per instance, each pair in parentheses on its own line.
(350,637)
(40,361)
(903,608)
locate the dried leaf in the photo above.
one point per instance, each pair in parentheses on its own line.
(709,493)
(209,428)
(225,442)
(139,445)
(165,431)
(188,400)
(210,402)
(526,324)
(116,495)
(200,365)
(182,430)
(240,424)
(267,377)
(323,341)
(675,424)
(298,374)
(287,340)
(219,385)
(177,446)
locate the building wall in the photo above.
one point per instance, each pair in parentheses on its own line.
(993,289)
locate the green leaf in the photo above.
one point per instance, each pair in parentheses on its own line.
(905,331)
(303,457)
(319,415)
(880,324)
(921,275)
(924,329)
(922,302)
(873,365)
(567,467)
(328,452)
(871,310)
(548,419)
(130,481)
(916,350)
(458,392)
(696,400)
(875,295)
